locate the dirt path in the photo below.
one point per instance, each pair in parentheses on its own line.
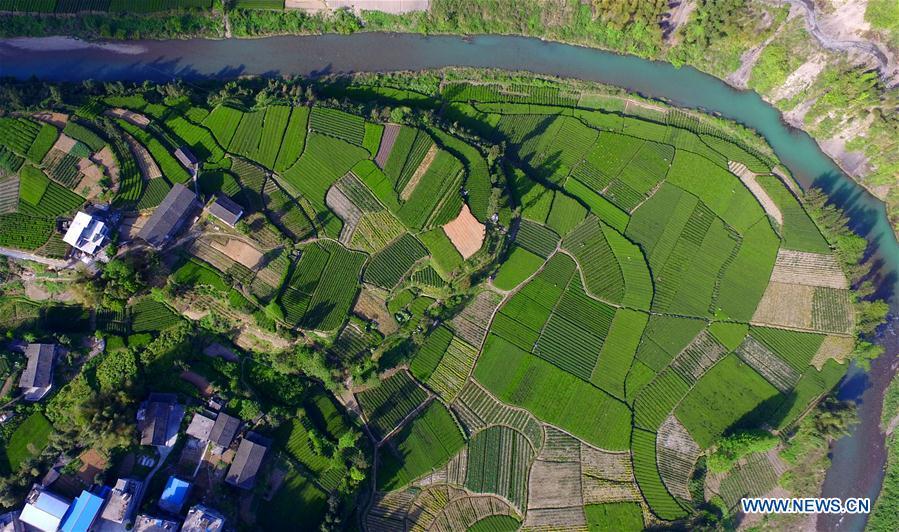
(23,255)
(889,72)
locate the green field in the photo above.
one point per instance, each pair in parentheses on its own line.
(426,442)
(28,440)
(605,334)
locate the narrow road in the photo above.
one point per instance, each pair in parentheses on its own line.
(887,71)
(23,255)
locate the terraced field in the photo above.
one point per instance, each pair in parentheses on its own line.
(630,304)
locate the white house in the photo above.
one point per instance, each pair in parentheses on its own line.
(86,233)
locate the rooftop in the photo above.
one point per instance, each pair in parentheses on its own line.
(120,499)
(148,523)
(39,370)
(186,157)
(83,513)
(174,494)
(203,519)
(85,233)
(158,420)
(44,510)
(247,461)
(168,217)
(224,430)
(200,427)
(226,210)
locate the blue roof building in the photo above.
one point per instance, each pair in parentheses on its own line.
(82,513)
(174,495)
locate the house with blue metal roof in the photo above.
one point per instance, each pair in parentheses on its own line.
(82,513)
(174,495)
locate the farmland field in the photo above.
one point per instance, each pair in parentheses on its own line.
(531,305)
(28,440)
(426,442)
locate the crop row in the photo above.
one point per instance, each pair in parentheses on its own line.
(431,352)
(426,442)
(453,369)
(151,315)
(18,134)
(389,265)
(536,238)
(499,459)
(391,401)
(643,453)
(21,231)
(336,123)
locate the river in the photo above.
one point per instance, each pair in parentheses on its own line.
(857,459)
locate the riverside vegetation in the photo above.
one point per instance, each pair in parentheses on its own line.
(841,101)
(553,302)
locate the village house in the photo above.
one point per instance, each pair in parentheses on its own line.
(168,218)
(203,519)
(148,523)
(119,502)
(44,510)
(225,209)
(188,160)
(86,233)
(247,461)
(37,379)
(158,420)
(219,431)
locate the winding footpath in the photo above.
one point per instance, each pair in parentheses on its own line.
(889,73)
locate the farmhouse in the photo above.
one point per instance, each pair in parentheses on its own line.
(148,523)
(225,209)
(120,501)
(83,513)
(245,466)
(37,379)
(177,207)
(203,519)
(158,420)
(44,510)
(220,431)
(200,427)
(187,158)
(174,494)
(86,233)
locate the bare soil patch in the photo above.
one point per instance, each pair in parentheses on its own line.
(388,139)
(788,305)
(64,143)
(240,251)
(92,463)
(554,485)
(310,6)
(89,185)
(131,225)
(419,172)
(57,119)
(466,233)
(811,269)
(836,347)
(372,307)
(137,119)
(145,162)
(199,381)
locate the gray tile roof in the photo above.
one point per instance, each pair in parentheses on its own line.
(226,210)
(168,217)
(161,413)
(224,430)
(245,466)
(39,370)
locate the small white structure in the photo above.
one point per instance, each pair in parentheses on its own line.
(44,510)
(203,519)
(86,233)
